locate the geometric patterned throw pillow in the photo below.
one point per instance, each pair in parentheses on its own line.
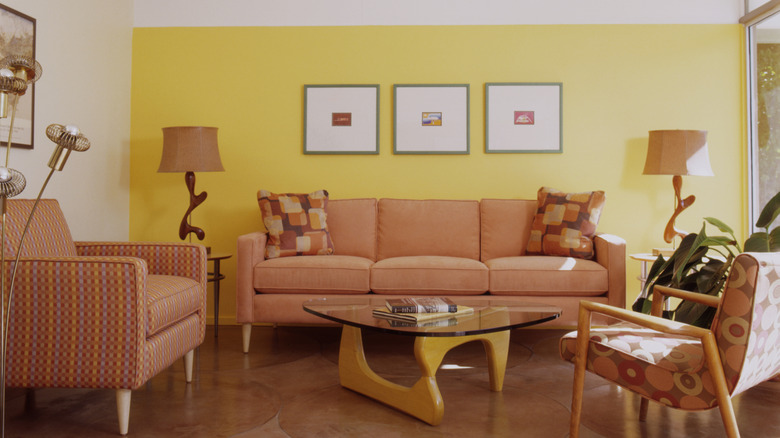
(296,223)
(565,223)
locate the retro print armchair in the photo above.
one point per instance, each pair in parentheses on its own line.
(99,314)
(683,366)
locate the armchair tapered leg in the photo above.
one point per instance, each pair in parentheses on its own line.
(246,334)
(188,359)
(712,357)
(580,361)
(123,409)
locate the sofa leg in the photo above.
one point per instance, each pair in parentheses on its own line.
(123,409)
(188,359)
(246,334)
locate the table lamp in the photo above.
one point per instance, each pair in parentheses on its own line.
(190,149)
(677,152)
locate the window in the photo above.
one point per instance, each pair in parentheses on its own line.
(763,36)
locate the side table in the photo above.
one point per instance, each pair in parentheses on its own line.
(216,276)
(644,259)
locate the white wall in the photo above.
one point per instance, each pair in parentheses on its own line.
(84,47)
(172,13)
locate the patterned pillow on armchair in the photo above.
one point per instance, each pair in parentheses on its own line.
(296,223)
(565,223)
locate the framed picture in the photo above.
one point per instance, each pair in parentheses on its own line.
(341,119)
(431,119)
(523,117)
(17,37)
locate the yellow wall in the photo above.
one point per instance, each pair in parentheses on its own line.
(619,81)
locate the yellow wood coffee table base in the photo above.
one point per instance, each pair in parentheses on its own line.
(422,400)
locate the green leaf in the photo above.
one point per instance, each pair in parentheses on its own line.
(723,241)
(770,212)
(642,305)
(725,229)
(720,224)
(774,240)
(758,242)
(693,243)
(658,270)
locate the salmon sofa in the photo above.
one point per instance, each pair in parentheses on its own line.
(402,247)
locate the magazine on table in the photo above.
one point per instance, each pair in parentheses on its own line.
(421,305)
(381,312)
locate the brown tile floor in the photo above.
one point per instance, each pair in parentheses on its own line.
(287,386)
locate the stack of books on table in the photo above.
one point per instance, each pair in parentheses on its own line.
(415,311)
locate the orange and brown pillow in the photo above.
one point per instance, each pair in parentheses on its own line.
(296,223)
(565,223)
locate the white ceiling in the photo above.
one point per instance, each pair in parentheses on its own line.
(175,13)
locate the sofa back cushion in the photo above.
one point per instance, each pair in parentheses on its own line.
(506,226)
(352,226)
(428,227)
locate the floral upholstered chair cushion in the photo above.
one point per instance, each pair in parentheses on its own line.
(671,369)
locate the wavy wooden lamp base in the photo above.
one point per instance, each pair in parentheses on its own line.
(670,232)
(195,200)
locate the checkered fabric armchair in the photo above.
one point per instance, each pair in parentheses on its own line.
(99,314)
(679,365)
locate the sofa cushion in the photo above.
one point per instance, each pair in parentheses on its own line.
(296,223)
(352,226)
(429,275)
(544,275)
(506,226)
(428,227)
(565,223)
(333,274)
(170,299)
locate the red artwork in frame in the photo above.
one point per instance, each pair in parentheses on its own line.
(524,118)
(341,119)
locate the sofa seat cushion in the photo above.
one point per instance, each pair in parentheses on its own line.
(170,299)
(429,275)
(546,275)
(323,274)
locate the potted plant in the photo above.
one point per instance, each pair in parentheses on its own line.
(701,264)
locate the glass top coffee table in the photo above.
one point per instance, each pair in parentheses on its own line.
(490,323)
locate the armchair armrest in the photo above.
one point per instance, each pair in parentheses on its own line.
(251,251)
(660,291)
(649,321)
(611,254)
(163,258)
(68,302)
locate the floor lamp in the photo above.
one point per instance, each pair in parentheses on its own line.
(677,152)
(190,149)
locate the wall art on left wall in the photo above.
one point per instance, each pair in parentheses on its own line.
(17,37)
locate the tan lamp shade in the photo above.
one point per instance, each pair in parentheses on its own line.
(190,149)
(678,152)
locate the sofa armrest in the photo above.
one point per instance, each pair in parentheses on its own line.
(251,251)
(162,258)
(611,254)
(90,308)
